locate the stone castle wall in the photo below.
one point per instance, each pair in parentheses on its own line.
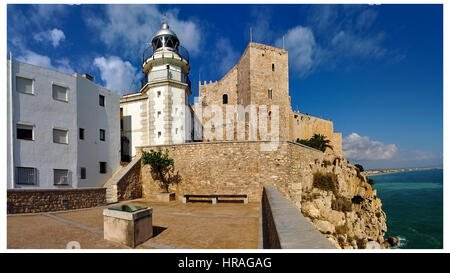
(43,200)
(305,126)
(260,70)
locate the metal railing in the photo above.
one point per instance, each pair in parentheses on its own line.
(148,52)
(166,74)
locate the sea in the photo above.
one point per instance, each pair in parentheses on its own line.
(413,203)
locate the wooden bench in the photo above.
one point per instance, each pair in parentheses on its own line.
(244,196)
(187,196)
(215,197)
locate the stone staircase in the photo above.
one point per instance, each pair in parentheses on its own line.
(112,189)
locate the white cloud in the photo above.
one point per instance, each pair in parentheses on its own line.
(356,147)
(129,27)
(41,14)
(224,55)
(30,57)
(365,19)
(55,36)
(301,45)
(351,45)
(118,75)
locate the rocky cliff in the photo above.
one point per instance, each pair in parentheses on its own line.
(343,206)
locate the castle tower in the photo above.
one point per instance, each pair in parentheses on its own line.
(167,86)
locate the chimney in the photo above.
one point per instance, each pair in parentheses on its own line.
(87,76)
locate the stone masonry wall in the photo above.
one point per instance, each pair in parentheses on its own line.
(130,186)
(227,168)
(242,167)
(305,126)
(43,200)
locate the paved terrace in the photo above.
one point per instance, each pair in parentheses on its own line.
(175,225)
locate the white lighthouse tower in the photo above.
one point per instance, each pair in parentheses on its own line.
(166,71)
(160,113)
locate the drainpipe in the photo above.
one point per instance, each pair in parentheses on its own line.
(11,119)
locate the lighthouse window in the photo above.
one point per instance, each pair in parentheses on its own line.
(158,43)
(273,67)
(269,93)
(169,42)
(225,99)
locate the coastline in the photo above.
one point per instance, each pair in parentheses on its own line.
(378,172)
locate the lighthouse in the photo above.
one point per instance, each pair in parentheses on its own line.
(160,112)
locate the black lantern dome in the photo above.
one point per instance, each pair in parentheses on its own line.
(166,39)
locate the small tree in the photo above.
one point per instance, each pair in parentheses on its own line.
(161,166)
(318,142)
(360,167)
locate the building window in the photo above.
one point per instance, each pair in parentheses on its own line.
(273,67)
(159,134)
(82,173)
(269,93)
(25,176)
(270,115)
(81,133)
(24,85)
(61,177)
(102,135)
(102,167)
(225,99)
(59,93)
(101,100)
(159,93)
(159,114)
(60,136)
(24,132)
(121,118)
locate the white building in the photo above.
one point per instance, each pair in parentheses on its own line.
(63,130)
(160,112)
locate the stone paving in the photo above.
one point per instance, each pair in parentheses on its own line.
(194,225)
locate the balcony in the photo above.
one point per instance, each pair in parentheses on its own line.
(166,74)
(181,51)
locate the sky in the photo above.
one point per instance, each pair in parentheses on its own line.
(375,70)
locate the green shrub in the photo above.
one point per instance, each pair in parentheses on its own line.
(342,229)
(327,163)
(342,204)
(326,182)
(318,141)
(357,199)
(161,167)
(360,167)
(336,161)
(361,243)
(370,181)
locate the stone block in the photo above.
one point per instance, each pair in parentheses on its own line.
(163,197)
(128,228)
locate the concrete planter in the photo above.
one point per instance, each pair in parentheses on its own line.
(128,225)
(164,197)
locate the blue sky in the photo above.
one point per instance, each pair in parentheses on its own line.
(375,70)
